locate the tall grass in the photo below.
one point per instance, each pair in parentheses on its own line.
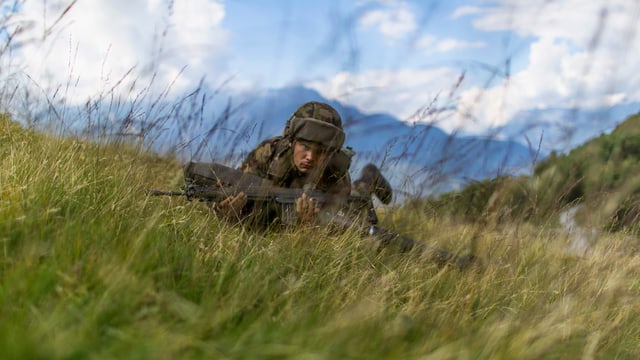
(92,268)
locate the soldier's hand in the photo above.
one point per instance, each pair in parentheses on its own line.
(306,209)
(232,205)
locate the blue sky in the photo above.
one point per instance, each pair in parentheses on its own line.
(485,61)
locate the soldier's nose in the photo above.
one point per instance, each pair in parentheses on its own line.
(310,155)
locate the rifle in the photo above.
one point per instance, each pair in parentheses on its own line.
(213,182)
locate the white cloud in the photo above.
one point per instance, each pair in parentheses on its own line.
(608,26)
(465,10)
(425,42)
(573,20)
(97,43)
(615,99)
(394,20)
(432,44)
(401,92)
(447,45)
(567,68)
(564,68)
(554,79)
(581,56)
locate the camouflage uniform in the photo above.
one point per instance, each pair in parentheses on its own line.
(273,158)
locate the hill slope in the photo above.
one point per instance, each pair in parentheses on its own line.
(602,175)
(92,268)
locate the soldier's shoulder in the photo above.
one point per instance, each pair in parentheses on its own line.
(265,150)
(262,155)
(341,160)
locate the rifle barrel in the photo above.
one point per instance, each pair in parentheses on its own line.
(163,192)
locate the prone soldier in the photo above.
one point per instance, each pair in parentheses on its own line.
(309,155)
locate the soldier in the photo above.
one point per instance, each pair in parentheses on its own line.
(308,155)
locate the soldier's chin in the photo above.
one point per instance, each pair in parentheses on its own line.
(305,168)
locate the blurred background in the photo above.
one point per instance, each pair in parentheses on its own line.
(438,94)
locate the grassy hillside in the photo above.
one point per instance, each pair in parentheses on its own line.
(92,268)
(603,176)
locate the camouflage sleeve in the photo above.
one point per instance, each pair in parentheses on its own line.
(258,160)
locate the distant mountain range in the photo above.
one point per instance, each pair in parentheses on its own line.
(563,129)
(418,159)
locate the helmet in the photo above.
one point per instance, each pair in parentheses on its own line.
(319,111)
(316,122)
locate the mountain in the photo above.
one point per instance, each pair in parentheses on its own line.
(563,129)
(418,159)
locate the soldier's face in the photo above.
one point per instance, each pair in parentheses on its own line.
(307,155)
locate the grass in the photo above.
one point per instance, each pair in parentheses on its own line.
(92,268)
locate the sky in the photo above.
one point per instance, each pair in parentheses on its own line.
(465,65)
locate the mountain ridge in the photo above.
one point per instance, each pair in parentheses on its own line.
(415,156)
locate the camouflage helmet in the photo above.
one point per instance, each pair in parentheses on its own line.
(316,122)
(319,111)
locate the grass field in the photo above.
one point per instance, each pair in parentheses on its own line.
(92,268)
